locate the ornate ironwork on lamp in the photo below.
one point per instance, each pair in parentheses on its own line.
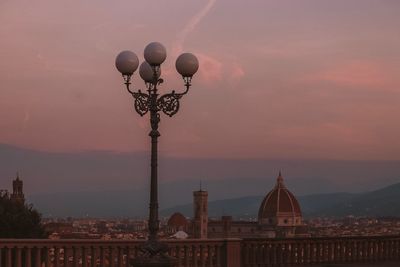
(150,71)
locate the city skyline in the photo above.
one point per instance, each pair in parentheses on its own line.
(309,80)
(285,150)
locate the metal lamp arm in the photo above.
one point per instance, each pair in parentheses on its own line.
(169,103)
(141,99)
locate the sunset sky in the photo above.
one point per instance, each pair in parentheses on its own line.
(306,79)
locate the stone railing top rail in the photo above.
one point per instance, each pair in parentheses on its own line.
(295,239)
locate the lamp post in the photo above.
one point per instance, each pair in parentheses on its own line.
(154,252)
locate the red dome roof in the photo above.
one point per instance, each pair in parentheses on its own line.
(177,220)
(280,201)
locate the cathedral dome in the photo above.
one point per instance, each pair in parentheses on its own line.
(177,220)
(280,207)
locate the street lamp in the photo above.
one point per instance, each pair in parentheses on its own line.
(150,71)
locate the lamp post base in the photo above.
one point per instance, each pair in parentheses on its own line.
(157,261)
(155,254)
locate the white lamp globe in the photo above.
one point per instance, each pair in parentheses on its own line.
(127,62)
(187,64)
(146,72)
(155,53)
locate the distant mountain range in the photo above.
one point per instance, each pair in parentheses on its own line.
(382,202)
(379,203)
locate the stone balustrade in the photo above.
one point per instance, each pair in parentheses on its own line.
(105,253)
(250,252)
(311,251)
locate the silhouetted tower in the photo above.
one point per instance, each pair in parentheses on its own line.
(18,193)
(200,205)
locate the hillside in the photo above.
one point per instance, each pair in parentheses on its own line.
(382,202)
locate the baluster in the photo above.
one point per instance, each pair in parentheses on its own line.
(312,252)
(93,256)
(377,248)
(256,250)
(47,252)
(365,253)
(353,251)
(111,256)
(136,251)
(279,254)
(331,254)
(128,257)
(257,253)
(209,256)
(292,253)
(320,251)
(268,253)
(380,254)
(325,251)
(302,253)
(186,256)
(202,256)
(300,246)
(307,257)
(194,255)
(396,249)
(218,255)
(374,250)
(286,255)
(8,257)
(18,256)
(336,252)
(75,255)
(274,254)
(28,257)
(245,254)
(84,256)
(56,257)
(178,254)
(38,257)
(386,249)
(263,254)
(120,256)
(102,257)
(67,253)
(371,254)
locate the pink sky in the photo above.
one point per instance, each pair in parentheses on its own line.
(277,79)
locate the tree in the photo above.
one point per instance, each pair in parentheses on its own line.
(19,220)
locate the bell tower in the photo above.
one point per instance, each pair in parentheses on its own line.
(18,193)
(200,209)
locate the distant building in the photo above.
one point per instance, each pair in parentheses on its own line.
(279,215)
(18,193)
(177,223)
(200,209)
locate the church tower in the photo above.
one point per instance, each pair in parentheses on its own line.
(200,206)
(18,193)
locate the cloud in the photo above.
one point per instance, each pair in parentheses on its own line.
(190,26)
(210,68)
(353,73)
(237,71)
